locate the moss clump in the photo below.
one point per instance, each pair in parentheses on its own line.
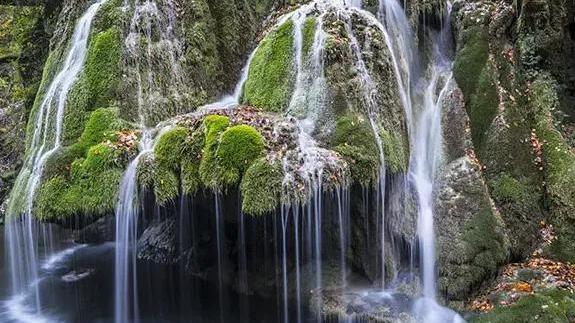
(214,126)
(51,199)
(102,122)
(261,187)
(270,80)
(559,168)
(170,147)
(91,189)
(483,234)
(396,157)
(355,141)
(484,250)
(507,188)
(100,157)
(475,77)
(166,185)
(471,59)
(102,69)
(309,28)
(548,306)
(482,106)
(84,178)
(110,14)
(239,146)
(169,157)
(96,84)
(191,159)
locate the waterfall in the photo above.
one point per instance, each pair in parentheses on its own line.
(161,55)
(23,234)
(369,90)
(154,52)
(127,211)
(219,229)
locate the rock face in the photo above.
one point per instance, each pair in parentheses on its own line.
(521,144)
(24,37)
(471,235)
(158,243)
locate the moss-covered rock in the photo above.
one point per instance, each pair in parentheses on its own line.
(83,178)
(261,187)
(552,306)
(271,76)
(559,168)
(90,189)
(238,148)
(169,149)
(355,141)
(214,125)
(96,84)
(23,50)
(474,76)
(472,243)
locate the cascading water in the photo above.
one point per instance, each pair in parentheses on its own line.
(127,210)
(154,25)
(23,234)
(153,56)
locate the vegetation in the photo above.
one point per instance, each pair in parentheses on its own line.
(309,28)
(239,146)
(474,75)
(355,141)
(559,168)
(261,187)
(270,80)
(553,306)
(214,126)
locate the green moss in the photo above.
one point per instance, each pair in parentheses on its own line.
(102,69)
(559,168)
(166,185)
(59,163)
(396,157)
(99,158)
(75,116)
(482,106)
(484,239)
(110,14)
(96,84)
(99,125)
(507,188)
(355,141)
(309,28)
(471,59)
(91,170)
(270,80)
(172,159)
(474,75)
(548,306)
(214,126)
(191,159)
(261,187)
(170,147)
(51,199)
(239,146)
(92,191)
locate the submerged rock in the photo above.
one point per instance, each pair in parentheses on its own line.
(362,305)
(158,243)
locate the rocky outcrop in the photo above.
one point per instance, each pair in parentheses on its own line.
(24,37)
(470,232)
(520,143)
(472,236)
